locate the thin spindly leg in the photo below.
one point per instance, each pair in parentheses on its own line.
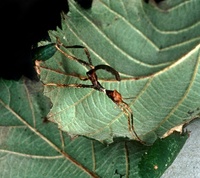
(128,112)
(88,64)
(82,62)
(85,50)
(116,97)
(69,85)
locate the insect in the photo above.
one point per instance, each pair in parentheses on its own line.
(114,95)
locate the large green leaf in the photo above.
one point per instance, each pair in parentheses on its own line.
(30,147)
(137,39)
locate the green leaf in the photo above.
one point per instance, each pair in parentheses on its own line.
(44,52)
(160,156)
(133,38)
(30,147)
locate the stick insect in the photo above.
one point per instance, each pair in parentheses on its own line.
(114,95)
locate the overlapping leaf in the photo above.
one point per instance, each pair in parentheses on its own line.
(129,37)
(30,147)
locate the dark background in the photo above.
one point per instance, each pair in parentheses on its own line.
(23,24)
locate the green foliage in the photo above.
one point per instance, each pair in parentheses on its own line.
(157,158)
(156,50)
(118,35)
(35,148)
(43,53)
